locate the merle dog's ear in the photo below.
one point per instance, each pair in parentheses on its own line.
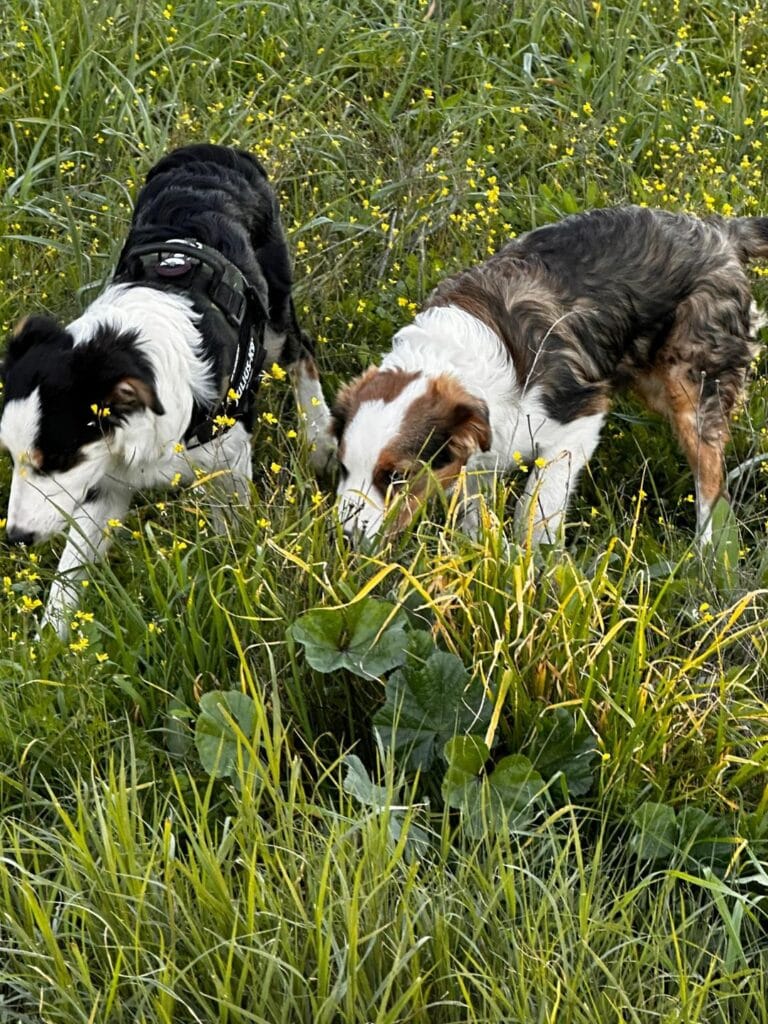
(33,330)
(471,426)
(132,394)
(464,417)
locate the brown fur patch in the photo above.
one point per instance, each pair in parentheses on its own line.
(441,429)
(448,413)
(373,385)
(670,391)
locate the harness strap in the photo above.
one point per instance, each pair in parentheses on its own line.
(172,261)
(228,287)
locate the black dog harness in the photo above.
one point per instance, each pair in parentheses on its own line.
(210,279)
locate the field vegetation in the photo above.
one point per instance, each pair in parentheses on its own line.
(270,779)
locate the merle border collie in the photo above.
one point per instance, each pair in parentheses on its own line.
(518,359)
(156,379)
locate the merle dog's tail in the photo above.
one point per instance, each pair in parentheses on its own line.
(751,235)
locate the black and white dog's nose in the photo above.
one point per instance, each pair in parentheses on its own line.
(16,536)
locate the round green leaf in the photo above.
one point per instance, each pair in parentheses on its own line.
(426,704)
(367,638)
(655,831)
(225,717)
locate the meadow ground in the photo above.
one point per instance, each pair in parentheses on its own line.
(267,779)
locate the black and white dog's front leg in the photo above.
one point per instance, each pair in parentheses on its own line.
(226,462)
(87,541)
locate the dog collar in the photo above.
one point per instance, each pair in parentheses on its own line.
(189,266)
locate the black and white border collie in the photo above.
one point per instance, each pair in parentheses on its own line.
(156,379)
(517,360)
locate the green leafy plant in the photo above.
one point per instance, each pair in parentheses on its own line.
(563,745)
(427,701)
(223,731)
(366,638)
(689,837)
(381,800)
(504,797)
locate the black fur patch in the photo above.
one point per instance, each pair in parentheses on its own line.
(220,197)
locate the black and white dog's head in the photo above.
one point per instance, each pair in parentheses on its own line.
(65,405)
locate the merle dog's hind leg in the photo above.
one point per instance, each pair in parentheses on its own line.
(700,422)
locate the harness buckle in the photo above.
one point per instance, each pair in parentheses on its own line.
(231,302)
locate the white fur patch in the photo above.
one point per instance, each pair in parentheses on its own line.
(20,425)
(166,326)
(446,340)
(371,429)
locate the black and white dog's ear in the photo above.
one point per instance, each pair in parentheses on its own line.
(33,330)
(116,373)
(132,394)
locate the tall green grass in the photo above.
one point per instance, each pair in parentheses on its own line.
(404,139)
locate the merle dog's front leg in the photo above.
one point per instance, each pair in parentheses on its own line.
(87,541)
(481,470)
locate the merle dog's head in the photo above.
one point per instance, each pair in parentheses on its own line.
(65,405)
(390,425)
